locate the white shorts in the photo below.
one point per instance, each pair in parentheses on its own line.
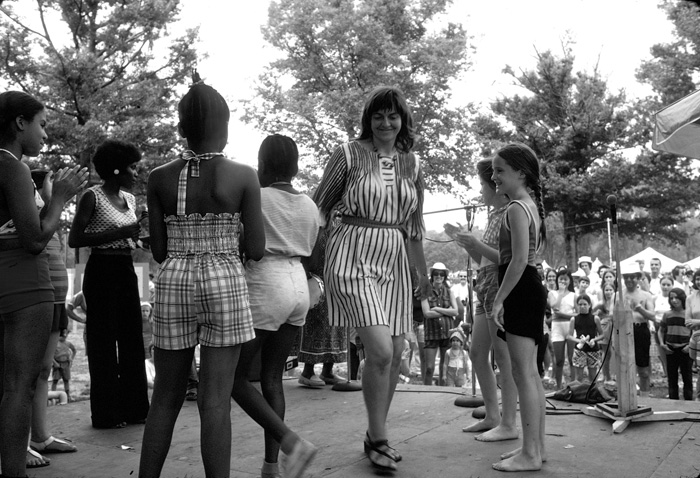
(560,329)
(278,291)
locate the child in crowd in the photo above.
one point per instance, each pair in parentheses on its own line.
(456,365)
(694,348)
(674,337)
(586,330)
(604,312)
(62,361)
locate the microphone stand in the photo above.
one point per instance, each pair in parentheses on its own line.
(473,401)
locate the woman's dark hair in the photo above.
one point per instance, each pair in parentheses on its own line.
(386,98)
(521,158)
(677,271)
(280,156)
(546,273)
(680,293)
(696,274)
(566,273)
(14,104)
(38,176)
(114,155)
(484,169)
(203,112)
(584,297)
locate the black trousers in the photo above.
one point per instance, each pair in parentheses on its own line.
(675,361)
(118,388)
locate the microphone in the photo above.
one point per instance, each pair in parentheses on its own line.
(612,202)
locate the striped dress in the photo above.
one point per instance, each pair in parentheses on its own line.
(367,271)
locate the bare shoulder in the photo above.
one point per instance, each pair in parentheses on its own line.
(237,173)
(10,168)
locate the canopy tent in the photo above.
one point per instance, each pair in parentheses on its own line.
(677,127)
(693,263)
(647,255)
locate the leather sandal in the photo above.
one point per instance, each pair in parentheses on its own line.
(375,449)
(395,455)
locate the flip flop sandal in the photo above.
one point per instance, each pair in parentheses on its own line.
(395,455)
(52,445)
(43,461)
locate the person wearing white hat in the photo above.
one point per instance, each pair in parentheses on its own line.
(641,304)
(585,263)
(455,365)
(439,310)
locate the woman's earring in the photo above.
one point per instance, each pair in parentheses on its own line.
(116,172)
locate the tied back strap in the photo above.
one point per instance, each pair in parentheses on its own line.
(193,158)
(190,157)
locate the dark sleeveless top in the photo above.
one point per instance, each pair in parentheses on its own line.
(585,325)
(505,252)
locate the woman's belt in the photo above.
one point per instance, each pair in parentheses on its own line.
(364,222)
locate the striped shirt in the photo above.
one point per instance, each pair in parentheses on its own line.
(675,333)
(291,222)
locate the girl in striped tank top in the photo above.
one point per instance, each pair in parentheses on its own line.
(520,302)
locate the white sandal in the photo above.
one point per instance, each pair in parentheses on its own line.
(52,445)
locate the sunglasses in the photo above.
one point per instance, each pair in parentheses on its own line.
(444,276)
(462,277)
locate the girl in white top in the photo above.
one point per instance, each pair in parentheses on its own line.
(561,302)
(661,306)
(279,301)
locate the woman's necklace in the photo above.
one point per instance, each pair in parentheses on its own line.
(376,150)
(281,183)
(10,153)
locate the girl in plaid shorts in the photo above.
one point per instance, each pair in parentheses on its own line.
(197,204)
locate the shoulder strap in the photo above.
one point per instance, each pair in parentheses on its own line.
(182,191)
(530,218)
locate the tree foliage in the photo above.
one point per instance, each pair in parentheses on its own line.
(333,52)
(579,129)
(103,69)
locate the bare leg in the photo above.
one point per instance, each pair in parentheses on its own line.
(379,381)
(275,349)
(479,355)
(523,352)
(507,429)
(441,378)
(430,354)
(24,335)
(570,347)
(172,367)
(216,378)
(559,349)
(40,432)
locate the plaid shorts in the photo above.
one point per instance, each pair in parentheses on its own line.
(201,299)
(587,359)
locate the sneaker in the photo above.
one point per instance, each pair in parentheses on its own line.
(294,464)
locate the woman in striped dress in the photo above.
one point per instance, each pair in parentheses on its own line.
(376,186)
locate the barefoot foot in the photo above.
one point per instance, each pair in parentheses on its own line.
(518,462)
(481,426)
(517,451)
(500,433)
